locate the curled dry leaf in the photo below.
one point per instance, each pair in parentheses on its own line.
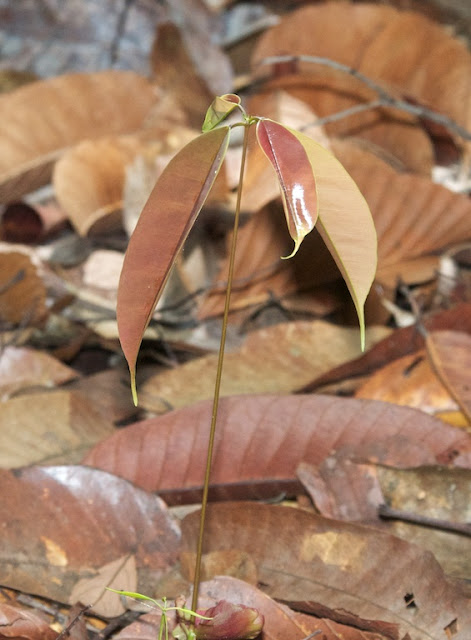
(61,524)
(277,359)
(72,107)
(88,182)
(22,290)
(261,440)
(22,367)
(402,49)
(48,427)
(346,571)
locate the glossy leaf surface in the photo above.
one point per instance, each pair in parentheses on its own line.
(165,222)
(295,176)
(344,222)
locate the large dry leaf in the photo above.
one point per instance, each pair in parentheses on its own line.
(347,570)
(260,441)
(38,122)
(61,524)
(402,49)
(400,343)
(22,367)
(88,181)
(22,291)
(413,216)
(395,135)
(48,427)
(273,360)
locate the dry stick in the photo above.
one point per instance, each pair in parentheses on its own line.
(385,98)
(217,385)
(386,512)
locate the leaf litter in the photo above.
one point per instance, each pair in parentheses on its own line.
(71,530)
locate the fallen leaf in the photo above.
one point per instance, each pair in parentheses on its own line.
(346,570)
(401,49)
(408,381)
(449,354)
(23,367)
(22,291)
(21,624)
(395,135)
(261,439)
(272,360)
(93,517)
(33,139)
(40,428)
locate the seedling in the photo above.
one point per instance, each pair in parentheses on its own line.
(315,190)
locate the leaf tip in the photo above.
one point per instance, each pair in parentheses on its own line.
(133,386)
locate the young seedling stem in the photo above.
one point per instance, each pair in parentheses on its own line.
(217,385)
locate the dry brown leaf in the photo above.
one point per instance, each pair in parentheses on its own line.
(408,381)
(261,440)
(273,360)
(413,216)
(22,291)
(395,135)
(23,367)
(39,121)
(21,624)
(449,353)
(61,524)
(49,427)
(402,49)
(345,570)
(89,179)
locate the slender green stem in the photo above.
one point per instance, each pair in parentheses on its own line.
(217,385)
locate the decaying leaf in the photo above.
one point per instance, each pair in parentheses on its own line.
(73,107)
(22,291)
(261,440)
(72,522)
(347,571)
(42,428)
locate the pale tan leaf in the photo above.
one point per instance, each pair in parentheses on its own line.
(47,427)
(278,359)
(23,367)
(39,121)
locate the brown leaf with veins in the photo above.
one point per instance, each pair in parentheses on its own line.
(261,440)
(347,571)
(21,624)
(71,522)
(22,291)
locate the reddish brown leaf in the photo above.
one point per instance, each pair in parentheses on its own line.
(22,292)
(165,222)
(71,522)
(21,624)
(261,440)
(295,177)
(348,571)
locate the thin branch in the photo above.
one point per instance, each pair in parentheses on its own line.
(385,98)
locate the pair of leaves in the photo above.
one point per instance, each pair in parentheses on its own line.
(314,186)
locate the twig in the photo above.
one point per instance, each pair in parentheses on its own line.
(73,622)
(385,98)
(386,512)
